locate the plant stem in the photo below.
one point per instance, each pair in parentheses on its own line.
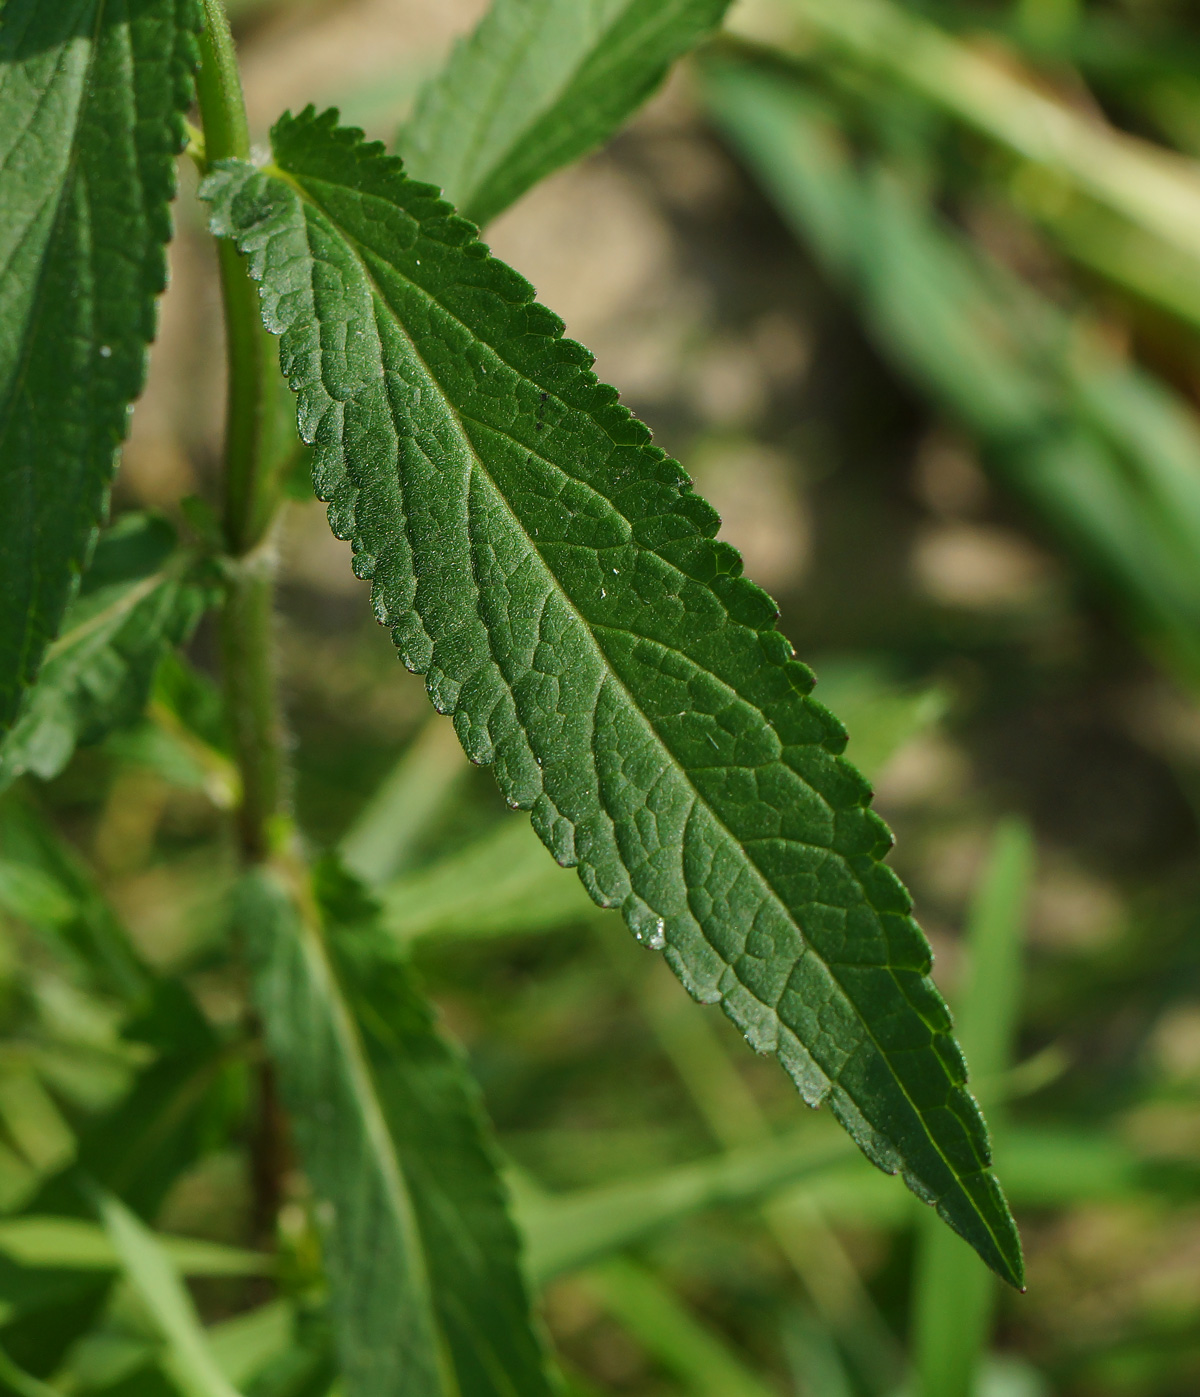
(251,701)
(251,443)
(251,493)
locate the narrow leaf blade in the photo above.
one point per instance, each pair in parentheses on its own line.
(557,581)
(427,1290)
(540,83)
(149,1270)
(92,96)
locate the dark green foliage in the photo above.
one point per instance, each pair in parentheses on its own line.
(539,84)
(427,1291)
(553,575)
(138,598)
(92,95)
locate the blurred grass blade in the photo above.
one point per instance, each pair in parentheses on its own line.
(380,842)
(1104,455)
(538,84)
(501,883)
(954,1294)
(244,1345)
(651,1312)
(137,600)
(566,1231)
(427,1290)
(816,1366)
(1154,188)
(76,1245)
(149,1270)
(988,1011)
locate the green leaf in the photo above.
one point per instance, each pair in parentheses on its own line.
(553,575)
(427,1292)
(247,1344)
(538,84)
(92,97)
(134,605)
(187,1358)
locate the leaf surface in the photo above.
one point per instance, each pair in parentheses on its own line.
(540,83)
(558,582)
(427,1291)
(137,600)
(92,96)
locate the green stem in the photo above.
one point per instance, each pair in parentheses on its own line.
(252,454)
(251,485)
(251,701)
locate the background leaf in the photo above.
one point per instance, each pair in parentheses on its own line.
(538,84)
(427,1291)
(92,96)
(557,580)
(136,601)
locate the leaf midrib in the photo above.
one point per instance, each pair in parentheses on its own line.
(322,973)
(294,182)
(479,178)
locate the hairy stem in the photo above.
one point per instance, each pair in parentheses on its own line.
(251,470)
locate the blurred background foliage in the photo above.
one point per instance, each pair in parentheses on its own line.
(913,290)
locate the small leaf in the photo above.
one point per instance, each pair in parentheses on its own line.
(92,97)
(557,581)
(97,675)
(540,83)
(427,1292)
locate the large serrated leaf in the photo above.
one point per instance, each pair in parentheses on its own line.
(557,581)
(137,602)
(92,96)
(427,1295)
(539,83)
